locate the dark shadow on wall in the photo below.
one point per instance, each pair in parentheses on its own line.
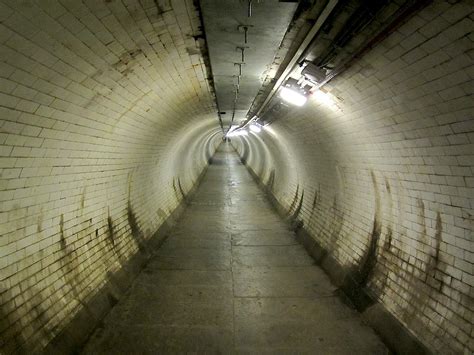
(112,239)
(358,276)
(430,281)
(297,206)
(110,230)
(71,338)
(271,180)
(12,340)
(245,152)
(136,232)
(179,191)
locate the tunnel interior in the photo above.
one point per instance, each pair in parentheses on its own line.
(113,114)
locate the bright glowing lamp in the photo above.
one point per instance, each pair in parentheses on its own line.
(292,96)
(255,128)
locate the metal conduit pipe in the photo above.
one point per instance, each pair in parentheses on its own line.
(359,19)
(402,15)
(296,57)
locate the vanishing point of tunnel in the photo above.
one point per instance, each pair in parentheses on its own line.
(236,177)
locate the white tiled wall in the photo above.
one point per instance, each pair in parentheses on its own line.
(98,99)
(391,149)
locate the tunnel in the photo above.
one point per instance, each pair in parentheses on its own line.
(236,176)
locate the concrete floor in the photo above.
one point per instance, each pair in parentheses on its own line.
(232,279)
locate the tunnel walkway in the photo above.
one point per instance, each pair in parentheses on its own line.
(232,278)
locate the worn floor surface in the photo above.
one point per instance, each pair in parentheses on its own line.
(232,279)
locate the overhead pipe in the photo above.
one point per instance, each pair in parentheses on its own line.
(297,55)
(242,50)
(238,79)
(245,28)
(361,17)
(336,10)
(402,15)
(240,67)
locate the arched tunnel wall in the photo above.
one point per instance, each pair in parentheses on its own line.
(106,123)
(378,173)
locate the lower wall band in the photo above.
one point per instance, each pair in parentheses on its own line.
(72,338)
(397,338)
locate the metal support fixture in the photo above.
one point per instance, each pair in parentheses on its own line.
(234,106)
(238,79)
(240,67)
(245,28)
(249,8)
(242,50)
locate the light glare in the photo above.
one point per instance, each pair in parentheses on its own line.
(237,133)
(293,97)
(322,97)
(255,128)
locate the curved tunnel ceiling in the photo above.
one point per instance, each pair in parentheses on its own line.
(243,38)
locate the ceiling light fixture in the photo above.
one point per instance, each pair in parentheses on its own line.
(314,73)
(255,127)
(293,93)
(293,97)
